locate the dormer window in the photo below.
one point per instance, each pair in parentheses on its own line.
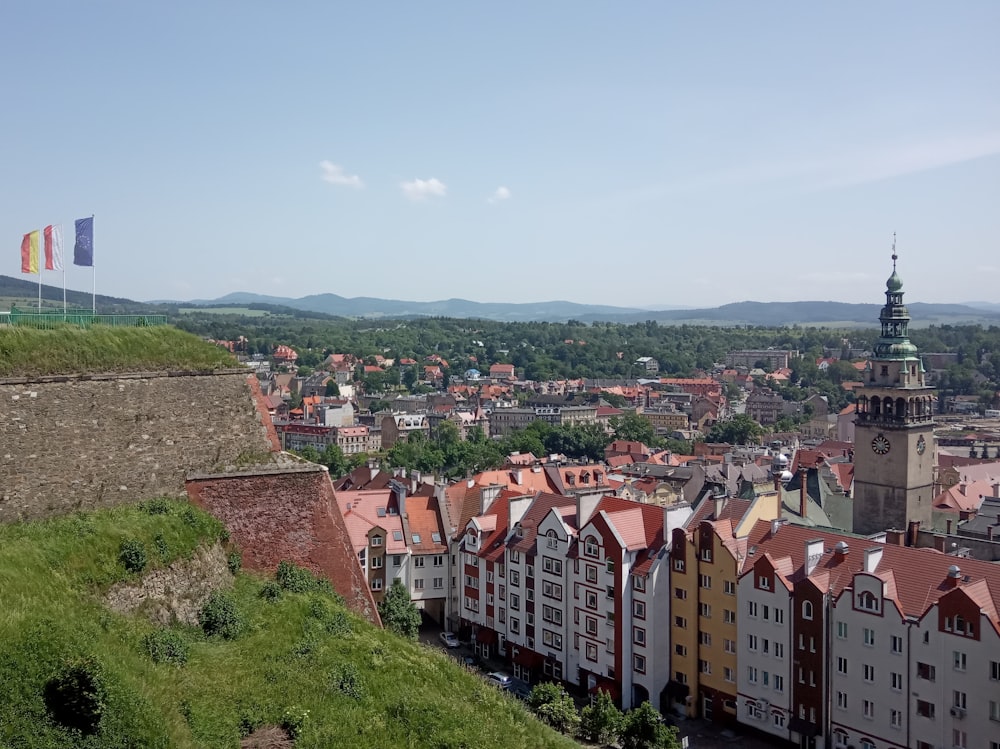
(764,582)
(590,547)
(868,602)
(519,531)
(551,541)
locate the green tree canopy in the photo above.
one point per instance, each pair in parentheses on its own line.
(398,612)
(739,430)
(643,728)
(633,427)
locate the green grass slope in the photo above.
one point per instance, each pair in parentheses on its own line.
(300,654)
(27,352)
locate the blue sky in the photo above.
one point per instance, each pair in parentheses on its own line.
(640,154)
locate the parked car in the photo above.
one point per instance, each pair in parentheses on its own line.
(520,689)
(498,679)
(449,639)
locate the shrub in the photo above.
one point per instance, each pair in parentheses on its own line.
(293,721)
(270,591)
(346,679)
(160,544)
(190,517)
(235,562)
(219,616)
(156,506)
(642,728)
(398,612)
(132,554)
(339,624)
(600,722)
(76,697)
(553,705)
(293,578)
(166,646)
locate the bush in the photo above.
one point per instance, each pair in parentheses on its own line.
(270,591)
(293,721)
(166,646)
(346,679)
(132,555)
(643,728)
(156,506)
(398,612)
(219,616)
(235,562)
(295,579)
(600,722)
(161,546)
(553,705)
(76,697)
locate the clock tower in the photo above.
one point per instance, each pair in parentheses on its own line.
(894,431)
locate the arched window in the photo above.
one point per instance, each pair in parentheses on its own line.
(807,610)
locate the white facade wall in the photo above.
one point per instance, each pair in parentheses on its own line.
(553,590)
(429,577)
(870,701)
(593,635)
(765,665)
(961,664)
(655,594)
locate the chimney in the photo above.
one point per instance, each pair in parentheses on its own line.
(941,543)
(519,477)
(803,492)
(586,503)
(873,556)
(913,532)
(895,538)
(775,525)
(414,481)
(814,550)
(961,488)
(399,489)
(720,505)
(486,496)
(989,532)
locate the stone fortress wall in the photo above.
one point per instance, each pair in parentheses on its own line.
(83,442)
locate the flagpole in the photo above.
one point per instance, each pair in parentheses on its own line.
(93,270)
(64,290)
(39,286)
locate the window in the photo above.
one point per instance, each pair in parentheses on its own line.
(765,646)
(530,619)
(590,548)
(897,644)
(705,667)
(869,673)
(867,744)
(842,700)
(591,651)
(729,616)
(377,563)
(728,674)
(678,565)
(896,718)
(680,650)
(552,590)
(639,663)
(959,699)
(377,583)
(729,587)
(896,681)
(515,577)
(551,541)
(841,665)
(764,583)
(958,660)
(471,582)
(609,591)
(752,609)
(925,671)
(925,709)
(552,639)
(807,610)
(376,541)
(705,610)
(680,593)
(591,625)
(751,674)
(779,649)
(515,601)
(779,683)
(958,738)
(779,616)
(552,614)
(515,625)
(503,616)
(767,612)
(680,622)
(869,637)
(868,602)
(995,670)
(729,645)
(994,710)
(591,573)
(705,581)
(638,635)
(397,559)
(705,638)
(639,584)
(752,642)
(842,630)
(779,720)
(552,565)
(638,609)
(706,554)
(591,599)
(418,561)
(438,583)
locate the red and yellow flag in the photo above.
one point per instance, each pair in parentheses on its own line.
(29,252)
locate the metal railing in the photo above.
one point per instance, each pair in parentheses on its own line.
(81,318)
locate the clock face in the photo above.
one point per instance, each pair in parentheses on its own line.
(880,445)
(921,445)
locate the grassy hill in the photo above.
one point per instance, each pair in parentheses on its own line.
(300,659)
(69,350)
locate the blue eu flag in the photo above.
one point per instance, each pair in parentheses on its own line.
(83,250)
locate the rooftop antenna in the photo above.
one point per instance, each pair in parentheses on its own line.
(894,255)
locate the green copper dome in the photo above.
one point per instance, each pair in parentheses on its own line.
(895,283)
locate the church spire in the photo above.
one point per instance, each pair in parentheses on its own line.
(894,343)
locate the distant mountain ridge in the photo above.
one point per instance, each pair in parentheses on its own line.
(769,314)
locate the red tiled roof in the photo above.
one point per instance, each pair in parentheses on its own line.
(424,519)
(536,512)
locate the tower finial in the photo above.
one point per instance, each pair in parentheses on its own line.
(894,255)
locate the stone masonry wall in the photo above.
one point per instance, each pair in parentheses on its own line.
(82,442)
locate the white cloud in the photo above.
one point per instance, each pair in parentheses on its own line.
(334,174)
(501,193)
(419,189)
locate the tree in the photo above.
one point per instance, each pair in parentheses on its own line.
(632,427)
(399,613)
(601,722)
(739,430)
(643,728)
(332,388)
(553,705)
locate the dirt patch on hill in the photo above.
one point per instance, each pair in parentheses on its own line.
(176,593)
(268,737)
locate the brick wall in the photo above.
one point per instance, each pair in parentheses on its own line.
(291,515)
(82,442)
